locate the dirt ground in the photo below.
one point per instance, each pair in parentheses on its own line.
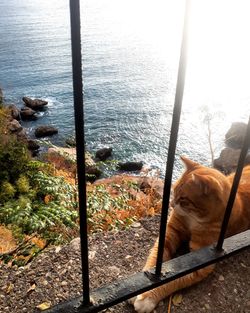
(55,275)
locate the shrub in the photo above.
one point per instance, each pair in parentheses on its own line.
(55,187)
(14,154)
(107,211)
(36,217)
(7,191)
(14,157)
(22,184)
(53,205)
(31,198)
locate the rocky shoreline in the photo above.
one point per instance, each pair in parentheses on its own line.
(29,113)
(226,162)
(55,275)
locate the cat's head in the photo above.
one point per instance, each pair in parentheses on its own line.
(200,193)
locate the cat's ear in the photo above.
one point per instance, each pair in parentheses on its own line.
(189,163)
(206,184)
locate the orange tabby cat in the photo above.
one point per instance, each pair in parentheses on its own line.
(200,198)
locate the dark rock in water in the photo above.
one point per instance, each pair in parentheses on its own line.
(14,111)
(235,136)
(45,130)
(32,144)
(130,166)
(103,154)
(228,160)
(35,104)
(14,126)
(28,114)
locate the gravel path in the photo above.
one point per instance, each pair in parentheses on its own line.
(55,275)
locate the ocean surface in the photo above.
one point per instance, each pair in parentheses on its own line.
(130,60)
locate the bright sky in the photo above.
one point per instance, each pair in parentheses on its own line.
(220,48)
(219,45)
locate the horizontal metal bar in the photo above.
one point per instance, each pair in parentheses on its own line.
(133,285)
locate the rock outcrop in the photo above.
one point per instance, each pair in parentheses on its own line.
(32,144)
(130,166)
(103,154)
(235,136)
(22,135)
(66,159)
(228,160)
(14,111)
(14,126)
(92,170)
(45,131)
(35,104)
(27,114)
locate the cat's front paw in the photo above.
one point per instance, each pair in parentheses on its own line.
(144,304)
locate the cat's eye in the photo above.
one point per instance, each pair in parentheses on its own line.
(184,202)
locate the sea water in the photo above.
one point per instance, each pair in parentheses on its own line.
(130,51)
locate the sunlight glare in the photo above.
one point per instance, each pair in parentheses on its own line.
(219,50)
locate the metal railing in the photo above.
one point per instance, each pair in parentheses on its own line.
(107,296)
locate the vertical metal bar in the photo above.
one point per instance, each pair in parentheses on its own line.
(173,138)
(80,149)
(234,188)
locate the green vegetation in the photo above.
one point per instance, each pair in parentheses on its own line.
(107,211)
(38,199)
(39,203)
(31,198)
(14,157)
(34,199)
